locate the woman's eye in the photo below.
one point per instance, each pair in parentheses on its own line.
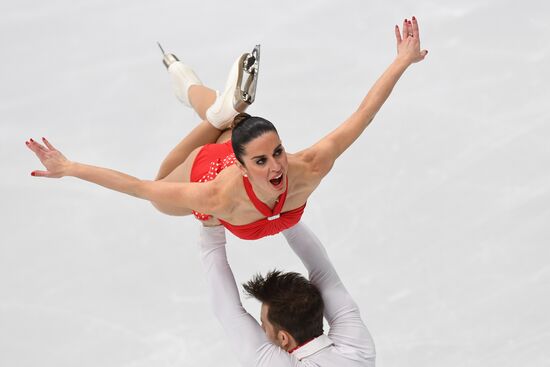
(278,152)
(260,162)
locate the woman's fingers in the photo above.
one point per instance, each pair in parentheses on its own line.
(51,158)
(40,173)
(405,26)
(36,145)
(415,30)
(407,29)
(40,146)
(398,35)
(31,144)
(48,144)
(408,41)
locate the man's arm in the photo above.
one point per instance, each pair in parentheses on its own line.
(341,311)
(245,335)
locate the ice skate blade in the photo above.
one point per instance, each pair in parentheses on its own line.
(247,80)
(167,58)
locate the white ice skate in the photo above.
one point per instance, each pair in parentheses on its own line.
(182,75)
(239,92)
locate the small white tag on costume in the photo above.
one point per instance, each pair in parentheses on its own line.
(274,217)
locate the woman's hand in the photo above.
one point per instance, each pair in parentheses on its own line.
(56,164)
(408,43)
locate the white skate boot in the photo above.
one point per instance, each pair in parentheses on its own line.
(239,92)
(182,75)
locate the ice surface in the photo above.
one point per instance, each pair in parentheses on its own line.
(438,218)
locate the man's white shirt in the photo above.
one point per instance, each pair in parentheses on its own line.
(348,342)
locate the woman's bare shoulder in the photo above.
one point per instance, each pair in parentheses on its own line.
(302,157)
(301,172)
(303,162)
(229,189)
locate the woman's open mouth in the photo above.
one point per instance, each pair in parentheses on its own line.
(277,181)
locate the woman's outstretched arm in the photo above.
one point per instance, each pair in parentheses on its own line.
(323,154)
(200,197)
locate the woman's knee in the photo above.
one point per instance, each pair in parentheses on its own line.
(225,136)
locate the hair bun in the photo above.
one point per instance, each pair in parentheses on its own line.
(239,118)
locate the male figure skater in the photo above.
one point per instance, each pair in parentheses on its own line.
(291,333)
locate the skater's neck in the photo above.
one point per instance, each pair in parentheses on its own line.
(270,199)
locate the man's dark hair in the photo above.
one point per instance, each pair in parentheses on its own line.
(245,129)
(295,305)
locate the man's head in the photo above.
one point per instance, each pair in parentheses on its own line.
(292,307)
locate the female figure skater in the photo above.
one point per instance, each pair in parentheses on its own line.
(249,183)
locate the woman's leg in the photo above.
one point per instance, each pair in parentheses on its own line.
(204,133)
(201,98)
(182,172)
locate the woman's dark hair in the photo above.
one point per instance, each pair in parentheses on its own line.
(245,129)
(295,305)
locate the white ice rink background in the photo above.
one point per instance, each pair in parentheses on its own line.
(438,217)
